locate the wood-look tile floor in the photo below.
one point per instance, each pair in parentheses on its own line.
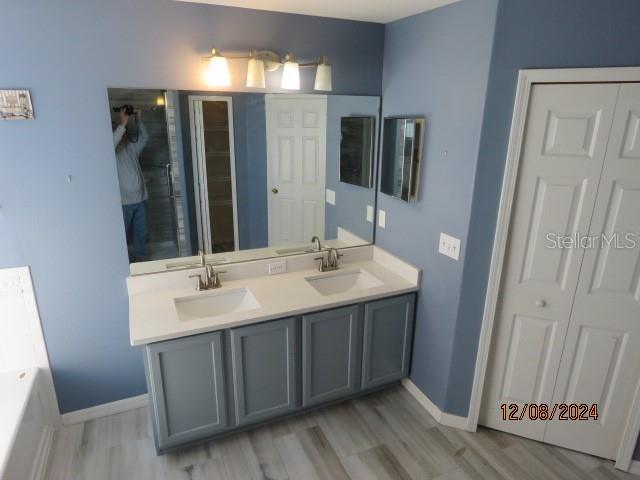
(386,435)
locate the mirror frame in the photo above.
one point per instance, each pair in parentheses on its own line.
(413,181)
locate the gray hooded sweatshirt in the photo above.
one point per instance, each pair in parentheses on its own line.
(132,187)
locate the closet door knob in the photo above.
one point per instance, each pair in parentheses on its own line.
(540,303)
(274,190)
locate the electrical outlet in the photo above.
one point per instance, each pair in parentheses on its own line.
(370,213)
(278,267)
(449,246)
(330,197)
(382,218)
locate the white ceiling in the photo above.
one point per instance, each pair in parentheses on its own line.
(380,11)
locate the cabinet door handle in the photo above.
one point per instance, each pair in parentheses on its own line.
(540,303)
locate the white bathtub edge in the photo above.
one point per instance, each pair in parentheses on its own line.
(39,469)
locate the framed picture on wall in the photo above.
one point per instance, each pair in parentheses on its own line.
(15,105)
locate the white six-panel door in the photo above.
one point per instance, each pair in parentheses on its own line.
(568,321)
(296,158)
(563,152)
(601,358)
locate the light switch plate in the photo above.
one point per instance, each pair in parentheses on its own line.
(449,246)
(370,213)
(278,267)
(331,197)
(382,218)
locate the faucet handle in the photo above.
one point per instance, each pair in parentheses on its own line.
(216,275)
(200,285)
(323,262)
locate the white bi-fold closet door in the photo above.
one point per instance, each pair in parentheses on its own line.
(567,326)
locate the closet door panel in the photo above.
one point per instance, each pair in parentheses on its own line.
(601,359)
(563,151)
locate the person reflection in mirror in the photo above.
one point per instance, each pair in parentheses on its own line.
(133,191)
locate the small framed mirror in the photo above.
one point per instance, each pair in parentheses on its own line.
(401,155)
(357,137)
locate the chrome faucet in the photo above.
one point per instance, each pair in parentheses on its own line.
(333,256)
(211,279)
(317,242)
(330,261)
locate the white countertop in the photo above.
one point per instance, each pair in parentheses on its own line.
(153,316)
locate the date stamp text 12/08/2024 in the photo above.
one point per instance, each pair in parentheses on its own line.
(557,411)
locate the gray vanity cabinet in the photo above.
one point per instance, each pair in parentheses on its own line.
(331,354)
(388,332)
(187,390)
(264,358)
(212,384)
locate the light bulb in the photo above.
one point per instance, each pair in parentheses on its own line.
(218,72)
(323,76)
(291,74)
(255,73)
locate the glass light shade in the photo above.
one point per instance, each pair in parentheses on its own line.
(160,101)
(255,73)
(218,72)
(323,78)
(291,75)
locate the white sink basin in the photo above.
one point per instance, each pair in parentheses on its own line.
(342,281)
(212,304)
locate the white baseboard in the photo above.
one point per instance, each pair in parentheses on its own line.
(441,417)
(635,467)
(39,468)
(91,413)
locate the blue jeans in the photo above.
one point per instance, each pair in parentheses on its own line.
(135,224)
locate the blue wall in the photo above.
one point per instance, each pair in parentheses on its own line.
(458,66)
(71,234)
(436,65)
(529,34)
(350,209)
(249,129)
(256,172)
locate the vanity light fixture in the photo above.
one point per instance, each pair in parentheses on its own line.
(218,72)
(290,73)
(261,61)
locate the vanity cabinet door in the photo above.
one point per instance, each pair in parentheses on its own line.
(264,359)
(187,389)
(388,331)
(331,352)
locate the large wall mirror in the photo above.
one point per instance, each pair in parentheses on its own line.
(238,176)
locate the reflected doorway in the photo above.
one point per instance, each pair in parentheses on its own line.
(214,172)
